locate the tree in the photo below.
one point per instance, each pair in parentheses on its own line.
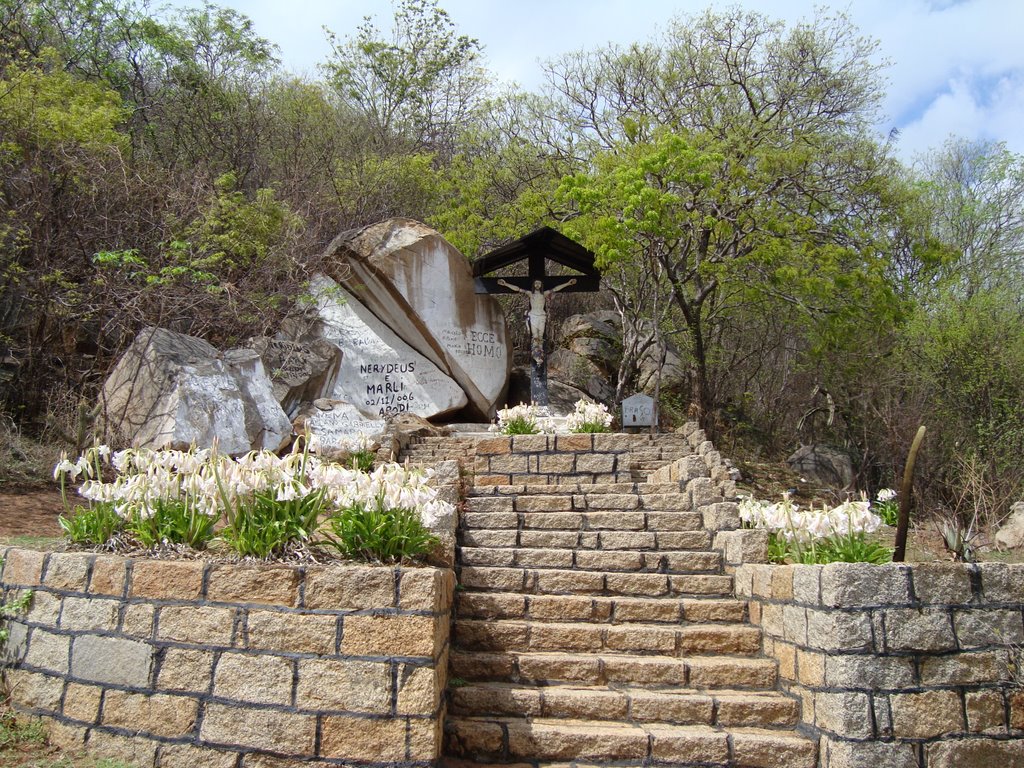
(416,89)
(736,159)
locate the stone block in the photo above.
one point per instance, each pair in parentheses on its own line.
(263,729)
(942,583)
(854,585)
(62,736)
(376,741)
(926,715)
(880,672)
(969,668)
(811,668)
(265,584)
(167,579)
(254,679)
(108,576)
(794,624)
(493,445)
(82,702)
(425,740)
(838,631)
(140,753)
(980,628)
(718,516)
(292,632)
(615,442)
(1016,697)
(389,635)
(420,689)
(92,660)
(1002,582)
(138,620)
(807,584)
(544,503)
(595,462)
(918,629)
(193,624)
(846,714)
(975,753)
(44,607)
(573,443)
(67,571)
(190,756)
(158,714)
(344,685)
(529,443)
(48,651)
(689,747)
(837,753)
(185,669)
(34,690)
(85,614)
(349,587)
(768,750)
(23,567)
(986,712)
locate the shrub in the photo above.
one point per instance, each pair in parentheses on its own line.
(518,420)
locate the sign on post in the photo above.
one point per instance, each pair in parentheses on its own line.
(638,411)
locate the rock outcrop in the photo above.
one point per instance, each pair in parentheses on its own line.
(422,288)
(170,390)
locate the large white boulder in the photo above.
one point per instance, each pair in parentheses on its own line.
(337,425)
(422,288)
(380,374)
(170,390)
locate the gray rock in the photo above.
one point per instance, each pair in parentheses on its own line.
(169,390)
(823,464)
(380,374)
(1011,532)
(300,372)
(422,288)
(582,374)
(112,660)
(336,423)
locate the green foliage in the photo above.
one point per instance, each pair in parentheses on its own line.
(889,511)
(92,526)
(171,522)
(378,534)
(363,460)
(265,526)
(15,730)
(850,548)
(591,428)
(520,425)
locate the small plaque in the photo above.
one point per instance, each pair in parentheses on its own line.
(638,411)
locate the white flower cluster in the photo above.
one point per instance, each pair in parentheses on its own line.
(886,494)
(586,413)
(529,414)
(212,484)
(787,520)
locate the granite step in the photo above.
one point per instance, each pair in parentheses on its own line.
(542,739)
(574,488)
(668,561)
(610,669)
(725,708)
(597,609)
(555,581)
(583,637)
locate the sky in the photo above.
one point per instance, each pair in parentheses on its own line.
(956,66)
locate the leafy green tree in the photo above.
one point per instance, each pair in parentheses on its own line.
(414,89)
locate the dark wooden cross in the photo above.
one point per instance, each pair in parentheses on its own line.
(536,249)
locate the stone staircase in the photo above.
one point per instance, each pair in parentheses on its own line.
(430,450)
(595,623)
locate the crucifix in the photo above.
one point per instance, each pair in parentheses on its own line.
(535,248)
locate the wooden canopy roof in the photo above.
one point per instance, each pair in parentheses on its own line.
(536,248)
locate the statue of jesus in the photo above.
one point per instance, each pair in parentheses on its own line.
(538,317)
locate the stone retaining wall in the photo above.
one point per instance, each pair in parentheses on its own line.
(902,666)
(180,664)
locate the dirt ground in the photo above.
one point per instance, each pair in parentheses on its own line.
(29,513)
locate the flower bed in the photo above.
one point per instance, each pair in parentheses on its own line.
(185,663)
